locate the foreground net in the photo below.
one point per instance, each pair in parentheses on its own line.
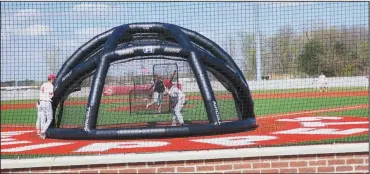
(281,48)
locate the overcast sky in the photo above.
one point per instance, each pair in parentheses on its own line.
(31,30)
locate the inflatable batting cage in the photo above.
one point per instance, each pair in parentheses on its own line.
(103,89)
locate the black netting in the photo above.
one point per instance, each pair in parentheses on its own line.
(128,90)
(300,59)
(71,112)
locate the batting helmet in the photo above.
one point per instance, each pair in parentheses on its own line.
(167,83)
(51,76)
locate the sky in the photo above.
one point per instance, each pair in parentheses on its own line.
(33,31)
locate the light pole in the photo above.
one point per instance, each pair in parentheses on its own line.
(258,45)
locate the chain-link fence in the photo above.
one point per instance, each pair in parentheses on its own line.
(306,64)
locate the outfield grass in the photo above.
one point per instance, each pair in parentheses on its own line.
(216,92)
(19,116)
(76,114)
(284,105)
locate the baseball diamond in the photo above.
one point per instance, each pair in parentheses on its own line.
(184,87)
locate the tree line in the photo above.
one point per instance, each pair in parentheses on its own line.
(339,52)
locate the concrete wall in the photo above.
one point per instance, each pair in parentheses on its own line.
(315,163)
(360,81)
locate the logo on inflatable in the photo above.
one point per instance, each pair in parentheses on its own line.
(148,50)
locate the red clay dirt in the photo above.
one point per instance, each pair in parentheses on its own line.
(225,96)
(275,131)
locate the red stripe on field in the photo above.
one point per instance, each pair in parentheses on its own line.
(268,125)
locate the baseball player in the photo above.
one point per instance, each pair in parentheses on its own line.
(178,101)
(322,82)
(158,93)
(45,112)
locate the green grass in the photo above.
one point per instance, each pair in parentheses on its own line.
(284,105)
(227,109)
(216,92)
(76,114)
(19,116)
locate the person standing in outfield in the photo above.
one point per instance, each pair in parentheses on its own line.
(44,108)
(158,93)
(322,82)
(177,100)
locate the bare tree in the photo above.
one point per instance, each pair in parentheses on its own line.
(249,51)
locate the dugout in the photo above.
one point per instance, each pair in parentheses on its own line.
(95,61)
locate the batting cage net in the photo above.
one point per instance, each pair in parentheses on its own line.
(129,105)
(67,114)
(254,73)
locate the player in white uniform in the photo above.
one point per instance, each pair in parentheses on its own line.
(178,102)
(44,108)
(322,82)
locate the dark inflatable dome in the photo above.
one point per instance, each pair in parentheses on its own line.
(143,41)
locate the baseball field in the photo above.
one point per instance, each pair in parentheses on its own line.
(285,117)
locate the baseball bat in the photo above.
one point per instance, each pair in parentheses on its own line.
(173,75)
